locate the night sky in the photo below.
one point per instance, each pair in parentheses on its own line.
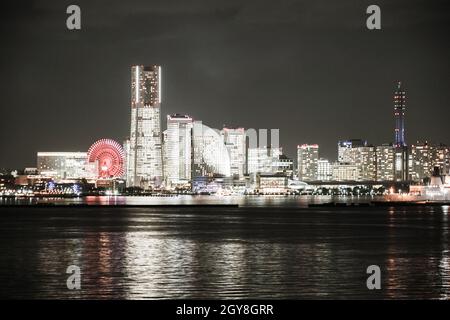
(310,68)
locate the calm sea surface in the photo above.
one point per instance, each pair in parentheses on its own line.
(268,247)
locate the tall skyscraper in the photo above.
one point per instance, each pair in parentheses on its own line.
(385,155)
(307,158)
(399,116)
(235,141)
(145,154)
(401,151)
(177,149)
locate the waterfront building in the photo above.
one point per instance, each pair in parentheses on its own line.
(271,183)
(420,161)
(209,153)
(283,165)
(177,149)
(63,165)
(366,161)
(324,172)
(401,163)
(344,172)
(347,152)
(145,151)
(307,158)
(440,157)
(263,160)
(385,162)
(235,141)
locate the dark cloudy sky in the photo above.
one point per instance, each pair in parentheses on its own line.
(310,68)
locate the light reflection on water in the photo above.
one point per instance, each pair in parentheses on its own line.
(266,251)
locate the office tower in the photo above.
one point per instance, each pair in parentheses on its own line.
(235,141)
(307,157)
(283,165)
(440,157)
(64,165)
(264,160)
(420,161)
(344,172)
(145,156)
(385,162)
(210,157)
(177,149)
(324,172)
(259,160)
(346,150)
(366,161)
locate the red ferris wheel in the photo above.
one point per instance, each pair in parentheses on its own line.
(108,156)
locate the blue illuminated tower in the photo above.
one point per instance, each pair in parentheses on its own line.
(401,150)
(399,115)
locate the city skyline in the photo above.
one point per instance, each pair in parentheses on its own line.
(220,79)
(159,163)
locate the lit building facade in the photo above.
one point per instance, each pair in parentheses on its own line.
(324,172)
(366,161)
(440,157)
(424,157)
(420,161)
(235,141)
(210,155)
(344,172)
(385,162)
(401,150)
(283,165)
(177,149)
(307,158)
(347,150)
(145,151)
(64,165)
(264,160)
(399,116)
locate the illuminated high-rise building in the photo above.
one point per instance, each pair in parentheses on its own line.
(347,150)
(385,155)
(441,158)
(344,171)
(210,156)
(401,151)
(420,161)
(307,158)
(177,149)
(324,170)
(399,116)
(366,161)
(145,149)
(235,141)
(265,160)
